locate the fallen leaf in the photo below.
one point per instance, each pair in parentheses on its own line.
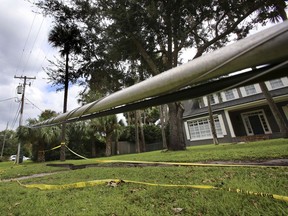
(208,180)
(177,210)
(16,204)
(114,184)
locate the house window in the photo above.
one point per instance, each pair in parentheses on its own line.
(256,123)
(229,94)
(250,90)
(201,102)
(276,83)
(212,99)
(201,129)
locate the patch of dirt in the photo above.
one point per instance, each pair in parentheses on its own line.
(272,162)
(29,177)
(116,164)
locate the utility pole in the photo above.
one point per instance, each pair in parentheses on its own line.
(21,90)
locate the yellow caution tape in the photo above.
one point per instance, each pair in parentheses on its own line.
(273,196)
(68,186)
(76,153)
(56,147)
(170,185)
(185,164)
(63,143)
(118,181)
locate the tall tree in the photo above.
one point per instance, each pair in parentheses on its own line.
(67,37)
(164,28)
(155,32)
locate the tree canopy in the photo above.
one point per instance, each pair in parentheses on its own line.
(150,35)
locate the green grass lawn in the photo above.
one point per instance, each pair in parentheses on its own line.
(136,199)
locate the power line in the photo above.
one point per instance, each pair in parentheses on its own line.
(7,99)
(33,45)
(34,104)
(25,43)
(15,117)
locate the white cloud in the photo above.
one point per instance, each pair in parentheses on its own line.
(24,50)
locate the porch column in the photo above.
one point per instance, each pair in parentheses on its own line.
(229,123)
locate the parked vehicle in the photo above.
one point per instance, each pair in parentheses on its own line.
(13,158)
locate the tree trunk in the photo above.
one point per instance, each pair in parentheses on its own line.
(66,82)
(41,152)
(108,144)
(143,145)
(212,123)
(63,142)
(275,111)
(93,149)
(117,147)
(128,119)
(176,136)
(163,127)
(137,143)
(116,140)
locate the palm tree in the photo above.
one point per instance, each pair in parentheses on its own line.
(106,128)
(68,38)
(40,138)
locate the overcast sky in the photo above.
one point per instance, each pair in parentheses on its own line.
(24,51)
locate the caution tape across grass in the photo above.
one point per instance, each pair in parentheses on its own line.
(116,182)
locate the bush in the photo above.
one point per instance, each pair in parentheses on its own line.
(152,134)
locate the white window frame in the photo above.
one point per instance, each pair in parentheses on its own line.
(205,99)
(248,90)
(197,121)
(235,93)
(284,81)
(247,124)
(202,103)
(244,92)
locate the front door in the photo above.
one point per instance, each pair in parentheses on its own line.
(256,124)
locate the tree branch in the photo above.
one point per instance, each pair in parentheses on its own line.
(228,31)
(146,56)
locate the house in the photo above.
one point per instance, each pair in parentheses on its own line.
(240,114)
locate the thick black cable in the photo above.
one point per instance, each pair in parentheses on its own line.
(193,92)
(254,76)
